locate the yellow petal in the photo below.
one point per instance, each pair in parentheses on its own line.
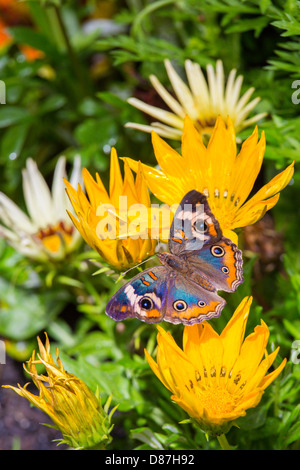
(159,184)
(115,181)
(129,189)
(268,379)
(249,214)
(256,379)
(195,156)
(231,235)
(168,159)
(221,154)
(247,166)
(190,340)
(251,353)
(233,334)
(96,192)
(211,352)
(276,184)
(156,370)
(142,191)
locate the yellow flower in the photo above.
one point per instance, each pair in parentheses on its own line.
(202,101)
(74,409)
(216,171)
(47,233)
(216,378)
(104,220)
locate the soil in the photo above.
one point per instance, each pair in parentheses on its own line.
(20,427)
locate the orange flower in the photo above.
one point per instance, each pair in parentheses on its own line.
(216,378)
(218,171)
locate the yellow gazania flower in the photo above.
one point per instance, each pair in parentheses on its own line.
(104,221)
(202,101)
(216,378)
(75,410)
(218,172)
(47,233)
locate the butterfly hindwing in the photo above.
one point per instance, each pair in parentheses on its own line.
(220,263)
(189,303)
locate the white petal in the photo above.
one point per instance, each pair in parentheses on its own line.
(171,133)
(24,244)
(232,99)
(37,195)
(219,87)
(229,87)
(139,127)
(14,217)
(161,114)
(58,189)
(244,113)
(254,119)
(211,78)
(8,234)
(244,99)
(198,85)
(30,250)
(182,91)
(168,99)
(76,175)
(216,87)
(75,179)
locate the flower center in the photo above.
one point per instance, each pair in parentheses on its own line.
(205,128)
(216,400)
(53,236)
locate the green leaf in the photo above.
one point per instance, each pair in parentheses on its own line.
(110,377)
(25,312)
(13,140)
(10,115)
(257,24)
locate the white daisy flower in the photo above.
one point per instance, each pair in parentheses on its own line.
(47,231)
(203,100)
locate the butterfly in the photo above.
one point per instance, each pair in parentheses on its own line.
(183,289)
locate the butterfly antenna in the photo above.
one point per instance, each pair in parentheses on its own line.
(133,267)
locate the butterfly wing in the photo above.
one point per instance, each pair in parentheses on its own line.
(193,225)
(189,303)
(196,236)
(219,263)
(143,297)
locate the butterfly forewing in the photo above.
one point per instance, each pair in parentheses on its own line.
(193,225)
(143,297)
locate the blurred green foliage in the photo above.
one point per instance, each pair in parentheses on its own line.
(73,100)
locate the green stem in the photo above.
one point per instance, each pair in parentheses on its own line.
(223,442)
(55,31)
